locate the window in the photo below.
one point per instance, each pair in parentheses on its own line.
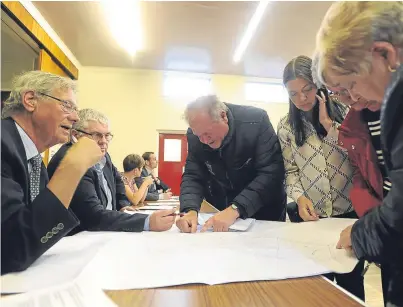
(266,92)
(186,86)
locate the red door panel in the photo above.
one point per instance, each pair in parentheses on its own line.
(171,160)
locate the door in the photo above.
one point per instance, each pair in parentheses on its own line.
(173,150)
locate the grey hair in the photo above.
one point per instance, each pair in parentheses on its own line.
(299,67)
(87,115)
(36,81)
(348,31)
(210,103)
(315,78)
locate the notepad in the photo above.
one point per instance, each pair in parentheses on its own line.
(239,225)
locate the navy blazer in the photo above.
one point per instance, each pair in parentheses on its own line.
(28,229)
(89,201)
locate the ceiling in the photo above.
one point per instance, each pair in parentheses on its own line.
(192,36)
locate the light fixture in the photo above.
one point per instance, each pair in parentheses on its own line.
(250,30)
(124,20)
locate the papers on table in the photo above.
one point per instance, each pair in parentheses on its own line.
(144,212)
(71,295)
(62,263)
(239,225)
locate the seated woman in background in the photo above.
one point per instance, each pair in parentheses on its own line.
(132,166)
(318,171)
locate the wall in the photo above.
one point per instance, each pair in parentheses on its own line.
(133,101)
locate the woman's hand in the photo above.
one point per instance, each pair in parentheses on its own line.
(324,118)
(306,210)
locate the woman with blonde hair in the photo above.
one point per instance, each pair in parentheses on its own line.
(359,50)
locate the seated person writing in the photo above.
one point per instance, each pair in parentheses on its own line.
(158,190)
(132,166)
(35,214)
(101,193)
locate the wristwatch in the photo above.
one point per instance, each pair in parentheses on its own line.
(235,207)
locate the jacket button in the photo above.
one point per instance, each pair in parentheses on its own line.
(341,143)
(55,231)
(60,226)
(352,147)
(49,235)
(44,240)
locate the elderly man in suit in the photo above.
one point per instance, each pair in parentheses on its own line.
(100,197)
(35,214)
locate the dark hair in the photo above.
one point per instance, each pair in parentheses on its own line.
(132,162)
(147,155)
(300,67)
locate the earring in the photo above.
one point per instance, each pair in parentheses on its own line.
(393,69)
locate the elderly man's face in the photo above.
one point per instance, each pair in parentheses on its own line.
(99,132)
(209,132)
(51,119)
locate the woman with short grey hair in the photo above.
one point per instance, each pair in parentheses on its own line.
(359,50)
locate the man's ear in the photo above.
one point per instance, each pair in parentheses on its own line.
(224,117)
(29,101)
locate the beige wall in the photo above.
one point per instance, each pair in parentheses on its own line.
(134,102)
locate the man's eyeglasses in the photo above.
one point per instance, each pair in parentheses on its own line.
(96,136)
(67,106)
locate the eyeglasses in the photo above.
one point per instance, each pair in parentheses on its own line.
(67,106)
(96,136)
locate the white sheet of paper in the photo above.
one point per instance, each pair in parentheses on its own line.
(70,294)
(62,263)
(239,225)
(158,207)
(163,201)
(144,212)
(272,251)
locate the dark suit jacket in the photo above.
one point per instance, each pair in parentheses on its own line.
(152,193)
(89,202)
(28,229)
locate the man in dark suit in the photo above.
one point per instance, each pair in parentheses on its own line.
(158,190)
(35,212)
(100,197)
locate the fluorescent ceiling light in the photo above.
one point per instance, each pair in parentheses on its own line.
(251,29)
(124,20)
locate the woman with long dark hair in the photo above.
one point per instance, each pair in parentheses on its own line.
(318,171)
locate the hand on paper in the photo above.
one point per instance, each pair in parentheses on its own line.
(188,222)
(162,220)
(345,238)
(85,151)
(221,221)
(306,210)
(167,195)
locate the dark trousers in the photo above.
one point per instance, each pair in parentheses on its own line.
(385,276)
(353,282)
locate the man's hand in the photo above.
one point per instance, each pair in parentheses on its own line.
(221,221)
(188,222)
(306,210)
(162,220)
(345,239)
(85,152)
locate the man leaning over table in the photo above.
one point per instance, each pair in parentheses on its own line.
(35,213)
(234,162)
(100,198)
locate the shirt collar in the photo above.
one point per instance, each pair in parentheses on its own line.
(29,146)
(101,164)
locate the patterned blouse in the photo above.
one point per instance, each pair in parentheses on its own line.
(319,169)
(132,184)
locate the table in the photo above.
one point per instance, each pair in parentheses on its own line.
(301,292)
